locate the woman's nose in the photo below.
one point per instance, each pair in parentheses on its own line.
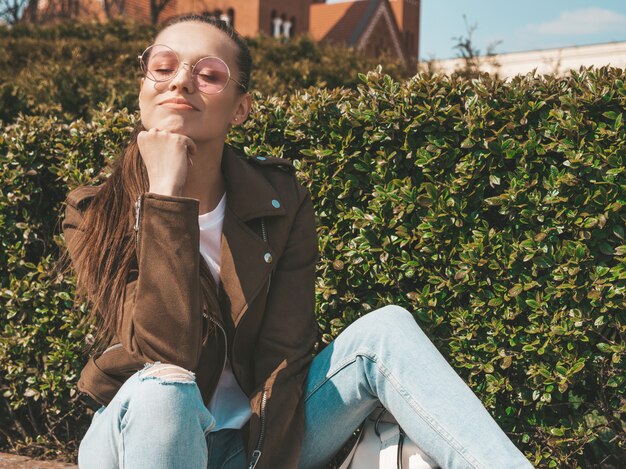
(183,78)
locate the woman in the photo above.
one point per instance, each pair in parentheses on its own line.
(200,264)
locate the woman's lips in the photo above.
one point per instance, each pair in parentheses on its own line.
(180,106)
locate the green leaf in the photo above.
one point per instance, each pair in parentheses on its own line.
(533,304)
(576,367)
(557,432)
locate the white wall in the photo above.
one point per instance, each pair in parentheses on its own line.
(546,61)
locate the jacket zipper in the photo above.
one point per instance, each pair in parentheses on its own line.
(256,454)
(264,233)
(137,214)
(263,230)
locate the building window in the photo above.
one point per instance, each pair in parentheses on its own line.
(231,15)
(286,26)
(277,25)
(285,30)
(227,17)
(281,26)
(293,26)
(273,26)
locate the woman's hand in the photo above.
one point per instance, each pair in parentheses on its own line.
(167,156)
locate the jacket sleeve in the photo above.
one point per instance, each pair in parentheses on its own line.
(286,343)
(161,318)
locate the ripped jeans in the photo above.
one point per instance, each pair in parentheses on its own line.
(157,419)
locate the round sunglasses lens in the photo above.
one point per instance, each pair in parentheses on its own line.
(211,75)
(159,63)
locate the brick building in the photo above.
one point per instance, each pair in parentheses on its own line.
(369,25)
(372,26)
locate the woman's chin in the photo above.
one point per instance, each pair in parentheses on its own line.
(174,124)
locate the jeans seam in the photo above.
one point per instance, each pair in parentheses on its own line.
(231,456)
(425,415)
(120,449)
(342,365)
(407,397)
(121,454)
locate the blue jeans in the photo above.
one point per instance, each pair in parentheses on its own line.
(383,357)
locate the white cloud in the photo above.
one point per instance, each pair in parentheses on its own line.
(581,21)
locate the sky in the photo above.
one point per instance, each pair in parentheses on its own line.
(518,25)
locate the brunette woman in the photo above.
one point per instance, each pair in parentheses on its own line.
(199,265)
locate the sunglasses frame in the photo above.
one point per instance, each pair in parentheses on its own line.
(144,69)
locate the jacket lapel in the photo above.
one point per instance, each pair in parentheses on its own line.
(244,269)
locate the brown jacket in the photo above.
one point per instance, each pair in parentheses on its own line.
(268,257)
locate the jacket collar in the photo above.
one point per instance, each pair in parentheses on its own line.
(248,193)
(244,267)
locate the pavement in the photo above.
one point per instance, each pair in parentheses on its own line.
(13,461)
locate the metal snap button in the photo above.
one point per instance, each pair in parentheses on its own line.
(275,203)
(261,158)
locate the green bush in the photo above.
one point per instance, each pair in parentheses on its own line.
(67,70)
(495,212)
(39,335)
(492,210)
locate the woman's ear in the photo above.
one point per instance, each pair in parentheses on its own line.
(242,110)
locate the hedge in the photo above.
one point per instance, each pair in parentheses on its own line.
(492,210)
(68,69)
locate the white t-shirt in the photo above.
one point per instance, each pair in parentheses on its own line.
(229,404)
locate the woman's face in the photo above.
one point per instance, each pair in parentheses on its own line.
(213,114)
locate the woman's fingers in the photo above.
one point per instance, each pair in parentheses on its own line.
(163,153)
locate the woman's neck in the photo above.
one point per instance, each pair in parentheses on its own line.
(205,181)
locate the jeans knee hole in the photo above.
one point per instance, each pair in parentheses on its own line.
(168,373)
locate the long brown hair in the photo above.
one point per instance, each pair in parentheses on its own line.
(104,254)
